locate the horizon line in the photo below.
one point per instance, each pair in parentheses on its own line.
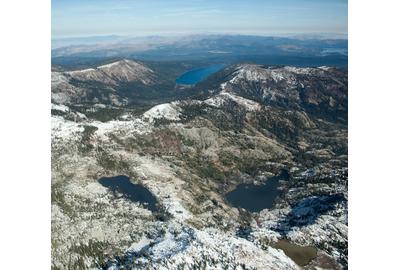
(177,34)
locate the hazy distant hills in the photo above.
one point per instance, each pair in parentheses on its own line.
(299,51)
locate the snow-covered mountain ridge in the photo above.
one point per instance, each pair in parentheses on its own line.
(113,73)
(102,82)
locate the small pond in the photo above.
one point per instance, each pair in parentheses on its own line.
(121,186)
(302,255)
(197,75)
(255,198)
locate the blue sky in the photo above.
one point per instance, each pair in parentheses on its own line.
(152,17)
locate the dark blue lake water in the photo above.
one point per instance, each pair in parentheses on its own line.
(197,75)
(255,198)
(121,185)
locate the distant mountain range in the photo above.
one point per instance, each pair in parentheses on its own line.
(297,50)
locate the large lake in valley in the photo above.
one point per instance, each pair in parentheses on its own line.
(197,75)
(121,185)
(255,198)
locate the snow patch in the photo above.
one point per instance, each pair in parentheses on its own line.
(59,107)
(136,247)
(325,68)
(80,71)
(64,129)
(110,65)
(169,111)
(223,97)
(187,246)
(135,126)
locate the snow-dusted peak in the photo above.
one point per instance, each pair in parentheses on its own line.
(223,97)
(113,64)
(169,111)
(123,70)
(297,70)
(123,63)
(128,70)
(268,85)
(250,72)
